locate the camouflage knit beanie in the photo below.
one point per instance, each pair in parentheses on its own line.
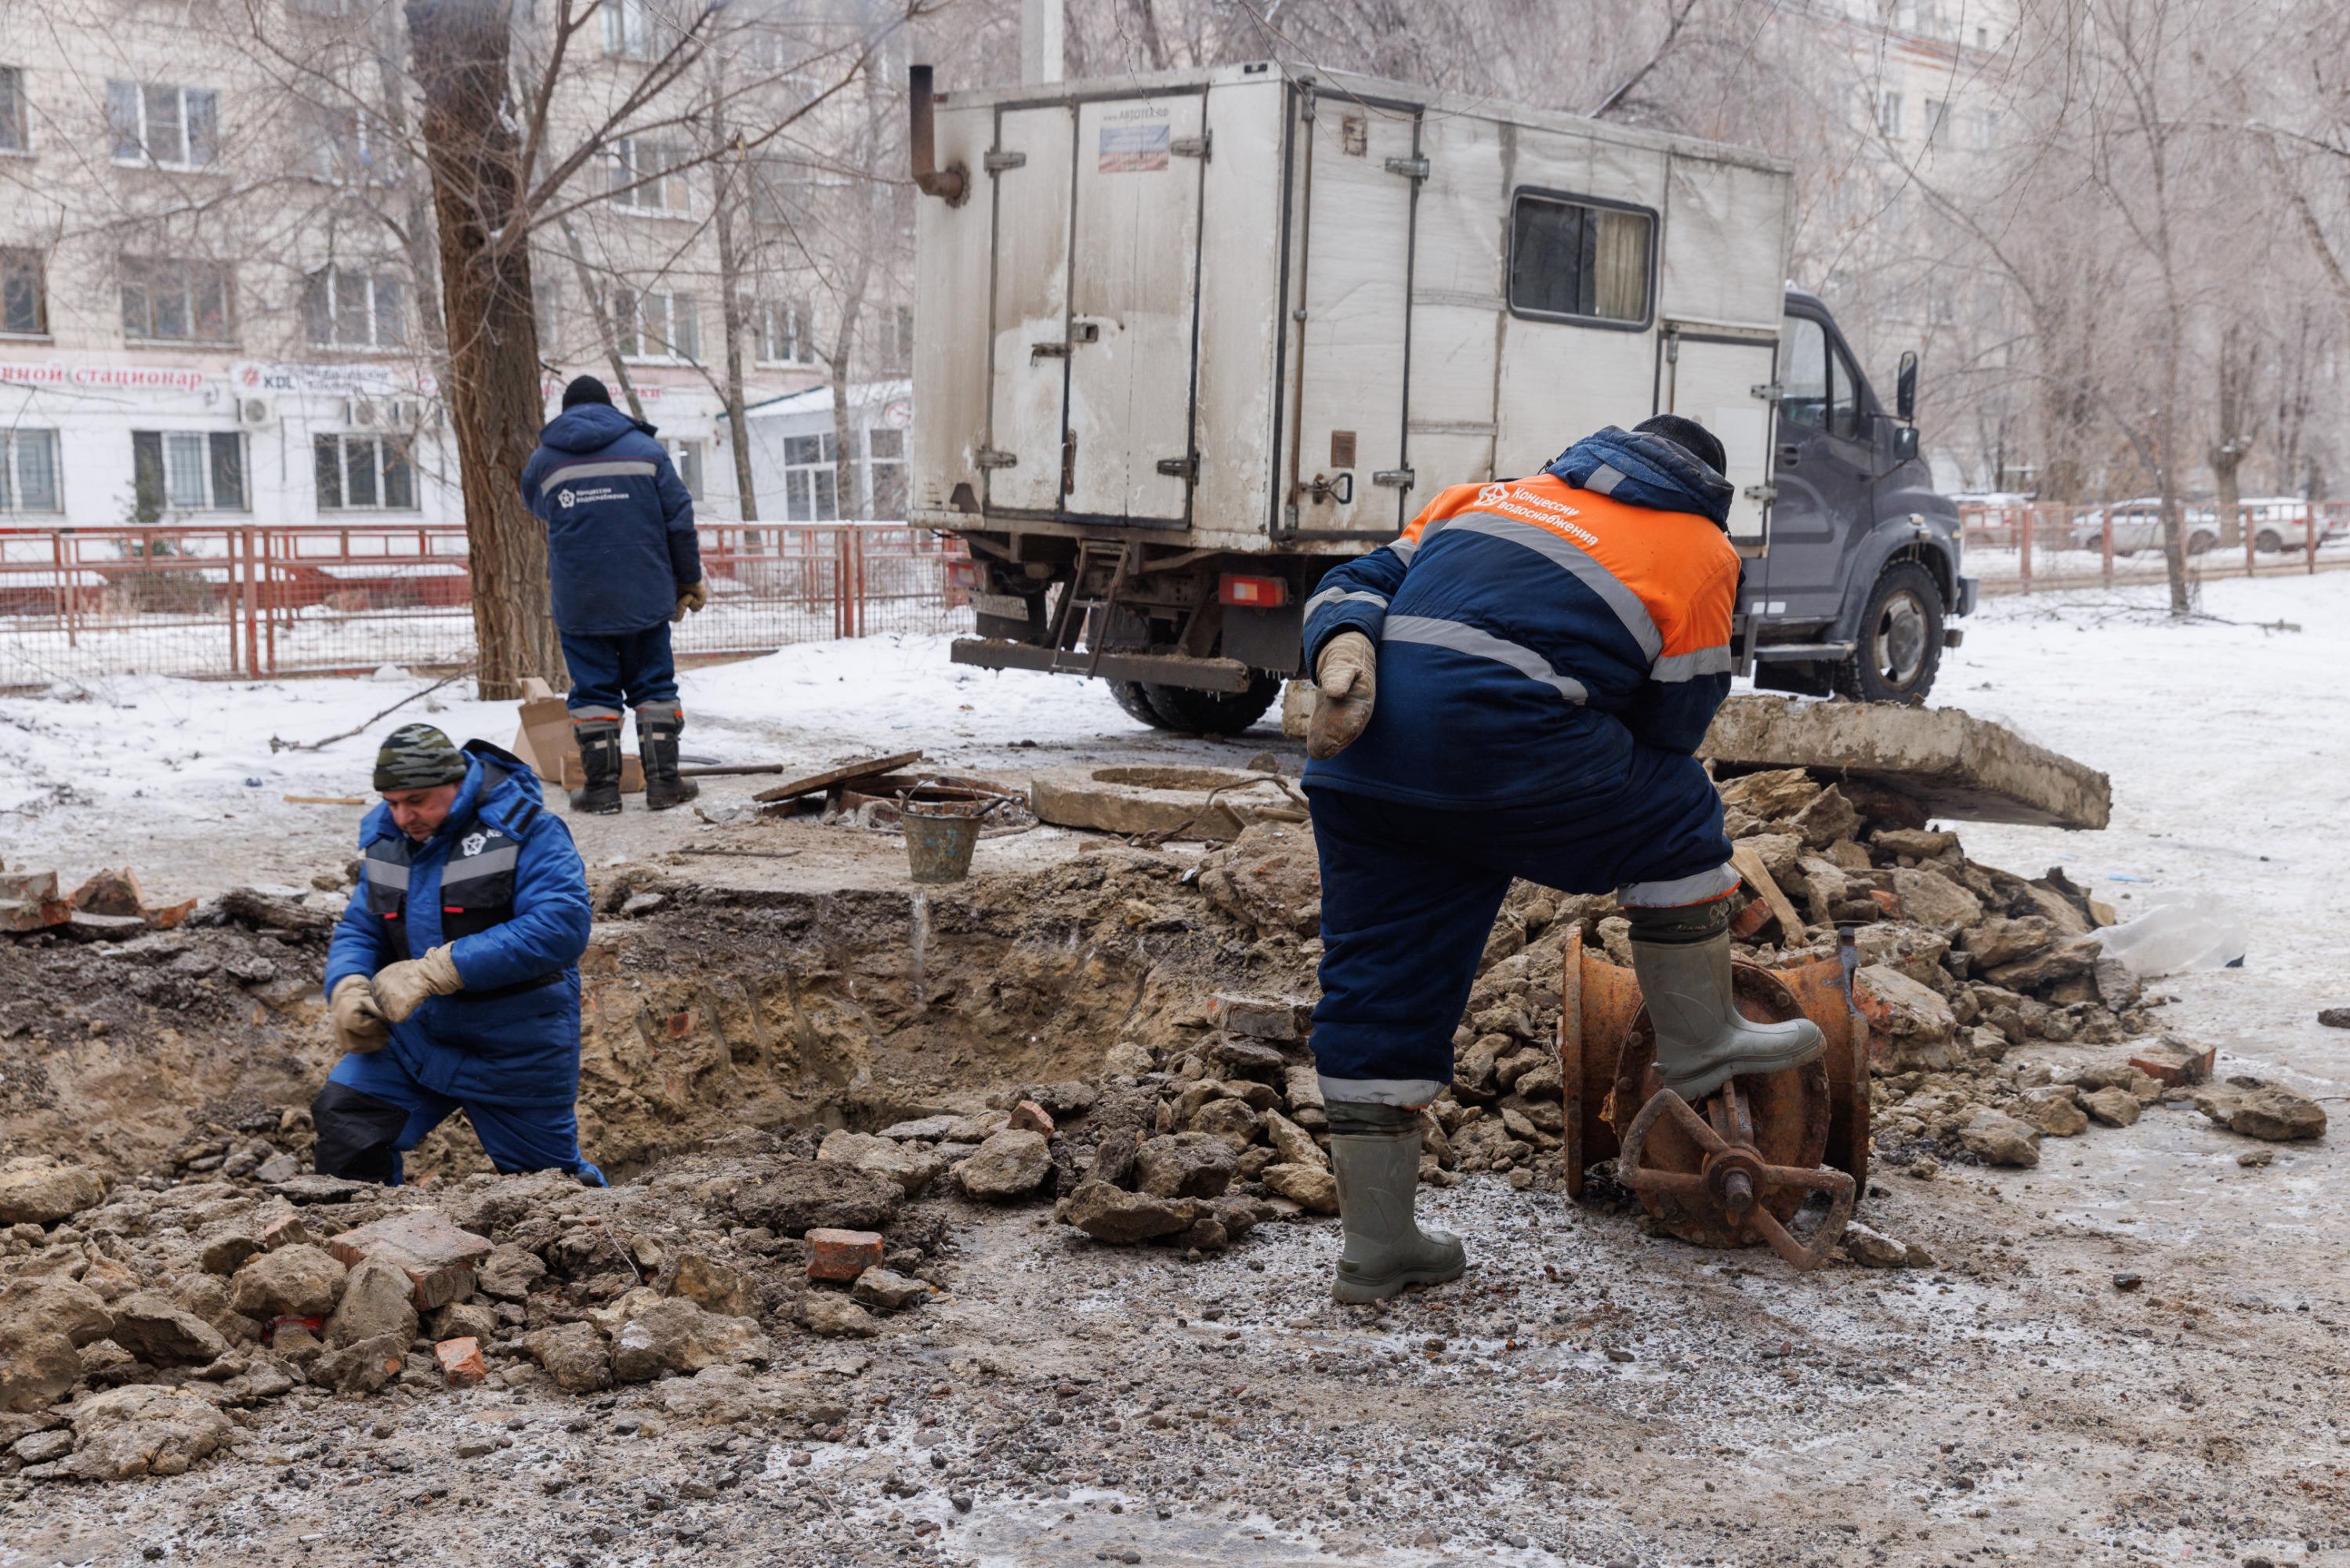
(418,757)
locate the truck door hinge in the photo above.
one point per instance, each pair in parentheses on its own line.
(1191,146)
(1769,391)
(988,457)
(1765,494)
(1180,467)
(996,162)
(1413,168)
(1395,478)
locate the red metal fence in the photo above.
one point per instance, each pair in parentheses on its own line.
(2026,546)
(258,600)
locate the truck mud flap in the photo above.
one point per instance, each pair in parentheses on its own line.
(1160,670)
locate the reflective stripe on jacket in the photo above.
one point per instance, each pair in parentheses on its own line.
(1530,633)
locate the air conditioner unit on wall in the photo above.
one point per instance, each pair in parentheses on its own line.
(255,411)
(363,413)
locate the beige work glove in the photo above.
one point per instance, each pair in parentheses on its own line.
(691,597)
(358,1023)
(1345,679)
(403,987)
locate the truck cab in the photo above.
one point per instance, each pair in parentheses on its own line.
(1860,575)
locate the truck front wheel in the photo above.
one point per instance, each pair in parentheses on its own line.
(1192,712)
(1900,647)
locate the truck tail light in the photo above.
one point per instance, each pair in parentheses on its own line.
(962,573)
(1251,593)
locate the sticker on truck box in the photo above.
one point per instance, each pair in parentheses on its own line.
(1135,148)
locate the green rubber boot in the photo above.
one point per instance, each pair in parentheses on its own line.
(1703,1039)
(1375,1151)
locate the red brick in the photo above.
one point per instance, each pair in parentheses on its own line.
(1886,902)
(2172,1064)
(1750,919)
(1030,1116)
(33,914)
(681,1025)
(437,1257)
(111,893)
(842,1255)
(168,916)
(33,886)
(461,1361)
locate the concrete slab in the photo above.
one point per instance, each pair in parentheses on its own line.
(1951,763)
(1212,804)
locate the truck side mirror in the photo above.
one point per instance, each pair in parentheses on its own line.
(1905,387)
(1905,443)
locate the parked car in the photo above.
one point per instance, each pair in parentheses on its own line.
(2137,526)
(2283,523)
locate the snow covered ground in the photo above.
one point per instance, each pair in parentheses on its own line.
(2227,739)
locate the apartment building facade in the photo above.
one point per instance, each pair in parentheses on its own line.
(218,293)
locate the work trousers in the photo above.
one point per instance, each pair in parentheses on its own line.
(1410,894)
(372,1111)
(627,670)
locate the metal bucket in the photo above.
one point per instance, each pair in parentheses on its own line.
(940,837)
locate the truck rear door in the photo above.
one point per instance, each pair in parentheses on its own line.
(1353,192)
(1095,309)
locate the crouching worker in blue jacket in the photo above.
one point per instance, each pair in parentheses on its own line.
(453,979)
(1546,654)
(624,565)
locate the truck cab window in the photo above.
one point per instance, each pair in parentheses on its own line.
(1844,396)
(1803,373)
(1578,261)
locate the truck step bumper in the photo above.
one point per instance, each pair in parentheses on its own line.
(1157,669)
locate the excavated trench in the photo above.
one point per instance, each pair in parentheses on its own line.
(722,1009)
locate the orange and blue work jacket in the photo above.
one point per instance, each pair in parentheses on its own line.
(1532,632)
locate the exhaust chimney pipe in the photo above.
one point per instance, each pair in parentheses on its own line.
(952,183)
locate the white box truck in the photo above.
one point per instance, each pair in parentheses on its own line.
(1186,341)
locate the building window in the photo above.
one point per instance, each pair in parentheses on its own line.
(1889,115)
(686,457)
(895,351)
(1982,130)
(885,471)
(658,324)
(15,125)
(24,294)
(351,149)
(343,308)
(647,176)
(1579,260)
(546,299)
(629,29)
(363,473)
(187,471)
(787,333)
(170,300)
(809,495)
(1937,109)
(28,471)
(163,125)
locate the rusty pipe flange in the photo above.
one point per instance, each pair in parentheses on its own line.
(1733,1179)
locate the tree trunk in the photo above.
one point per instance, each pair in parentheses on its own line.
(729,304)
(460,49)
(848,473)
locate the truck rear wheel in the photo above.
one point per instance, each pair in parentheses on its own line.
(1190,713)
(1900,648)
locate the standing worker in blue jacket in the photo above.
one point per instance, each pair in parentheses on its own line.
(453,979)
(1545,655)
(621,554)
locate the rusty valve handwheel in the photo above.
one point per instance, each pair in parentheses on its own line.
(1735,1179)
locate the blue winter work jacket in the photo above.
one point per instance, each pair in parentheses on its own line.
(1533,632)
(620,525)
(502,885)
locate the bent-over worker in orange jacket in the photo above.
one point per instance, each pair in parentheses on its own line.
(1545,654)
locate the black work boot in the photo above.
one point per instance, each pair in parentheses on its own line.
(658,727)
(599,759)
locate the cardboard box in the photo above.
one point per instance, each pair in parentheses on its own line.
(544,739)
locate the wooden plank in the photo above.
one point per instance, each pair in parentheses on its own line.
(1750,866)
(862,768)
